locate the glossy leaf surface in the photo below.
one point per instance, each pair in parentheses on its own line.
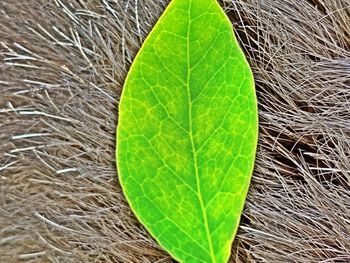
(187,132)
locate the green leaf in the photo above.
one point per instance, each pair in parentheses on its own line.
(187,132)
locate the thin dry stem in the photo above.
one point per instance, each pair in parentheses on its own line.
(62,66)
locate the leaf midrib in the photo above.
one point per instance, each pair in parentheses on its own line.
(194,153)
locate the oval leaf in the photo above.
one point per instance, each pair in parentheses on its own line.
(187,132)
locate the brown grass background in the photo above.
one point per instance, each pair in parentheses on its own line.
(62,67)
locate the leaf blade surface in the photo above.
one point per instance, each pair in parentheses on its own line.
(187,132)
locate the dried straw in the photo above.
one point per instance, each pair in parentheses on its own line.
(62,66)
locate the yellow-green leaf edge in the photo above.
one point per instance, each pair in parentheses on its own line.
(173,241)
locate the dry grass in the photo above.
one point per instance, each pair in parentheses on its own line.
(62,65)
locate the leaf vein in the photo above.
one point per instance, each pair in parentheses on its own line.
(200,198)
